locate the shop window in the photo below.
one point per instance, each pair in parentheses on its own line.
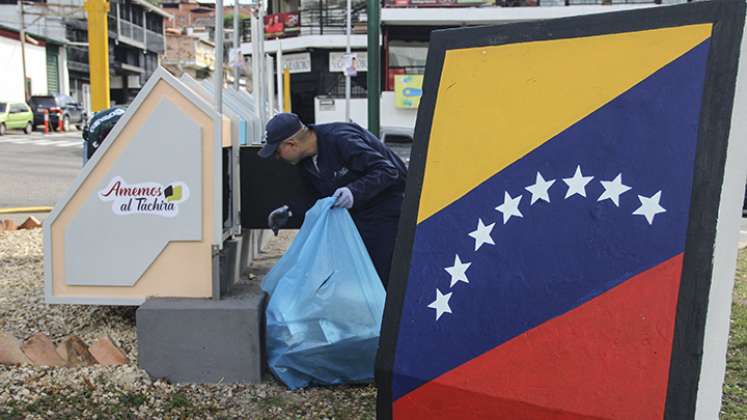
(405,58)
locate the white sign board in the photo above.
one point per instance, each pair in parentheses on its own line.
(337,61)
(297,63)
(145,197)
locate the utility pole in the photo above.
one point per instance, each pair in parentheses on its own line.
(286,90)
(98,52)
(218,76)
(26,95)
(236,44)
(265,114)
(270,86)
(257,67)
(279,76)
(373,78)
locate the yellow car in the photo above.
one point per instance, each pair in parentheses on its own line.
(14,115)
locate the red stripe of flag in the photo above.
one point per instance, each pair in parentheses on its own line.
(608,358)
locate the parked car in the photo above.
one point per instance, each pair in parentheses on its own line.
(72,112)
(15,115)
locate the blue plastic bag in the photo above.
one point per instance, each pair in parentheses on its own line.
(326,304)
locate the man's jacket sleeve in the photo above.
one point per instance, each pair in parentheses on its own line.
(378,172)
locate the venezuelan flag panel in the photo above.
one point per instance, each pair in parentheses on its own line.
(554,200)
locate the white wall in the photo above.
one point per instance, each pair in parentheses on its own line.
(36,68)
(11,89)
(336,113)
(393,120)
(391,116)
(11,70)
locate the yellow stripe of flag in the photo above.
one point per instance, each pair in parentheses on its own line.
(496,104)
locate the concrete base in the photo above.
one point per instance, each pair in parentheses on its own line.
(203,340)
(230,259)
(248,250)
(254,241)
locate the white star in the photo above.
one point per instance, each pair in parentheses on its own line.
(510,206)
(650,207)
(441,304)
(540,188)
(613,189)
(577,183)
(482,234)
(458,271)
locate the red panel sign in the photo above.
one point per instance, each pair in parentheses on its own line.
(282,24)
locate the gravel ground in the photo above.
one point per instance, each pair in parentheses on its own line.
(127,391)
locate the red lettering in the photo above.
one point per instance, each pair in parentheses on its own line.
(133,191)
(115,188)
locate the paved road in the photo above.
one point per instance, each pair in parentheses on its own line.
(36,170)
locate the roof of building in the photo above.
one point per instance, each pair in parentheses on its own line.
(30,35)
(450,16)
(151,8)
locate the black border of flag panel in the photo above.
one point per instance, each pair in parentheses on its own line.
(713,136)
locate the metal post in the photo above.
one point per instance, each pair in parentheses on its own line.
(218,76)
(264,110)
(218,166)
(279,76)
(98,52)
(286,90)
(236,43)
(23,52)
(321,17)
(348,60)
(373,77)
(256,61)
(145,28)
(235,152)
(270,87)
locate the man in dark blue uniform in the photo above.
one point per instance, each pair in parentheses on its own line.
(348,162)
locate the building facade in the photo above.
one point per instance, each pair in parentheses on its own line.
(43,61)
(311,35)
(188,53)
(136,42)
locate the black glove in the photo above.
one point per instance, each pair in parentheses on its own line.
(278,218)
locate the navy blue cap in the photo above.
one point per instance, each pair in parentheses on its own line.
(280,127)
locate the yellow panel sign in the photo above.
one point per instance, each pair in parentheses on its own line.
(408,88)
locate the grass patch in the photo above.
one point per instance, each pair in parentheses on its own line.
(132,399)
(734,406)
(179,401)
